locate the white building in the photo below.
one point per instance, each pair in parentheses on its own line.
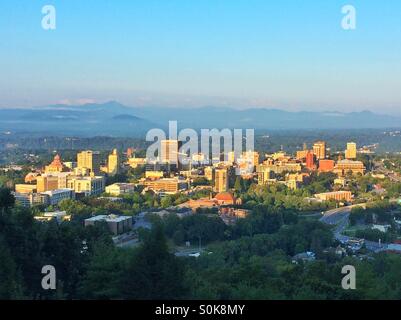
(116,224)
(117,189)
(55,196)
(87,185)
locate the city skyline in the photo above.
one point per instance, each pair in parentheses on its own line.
(282,55)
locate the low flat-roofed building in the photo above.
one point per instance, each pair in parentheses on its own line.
(116,224)
(295,180)
(30,199)
(118,189)
(203,203)
(167,185)
(340,181)
(345,166)
(135,162)
(154,174)
(55,196)
(57,215)
(280,167)
(326,165)
(335,195)
(25,188)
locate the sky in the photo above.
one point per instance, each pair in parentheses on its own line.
(287,54)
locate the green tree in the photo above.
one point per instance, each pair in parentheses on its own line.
(152,272)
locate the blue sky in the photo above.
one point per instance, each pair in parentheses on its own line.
(285,54)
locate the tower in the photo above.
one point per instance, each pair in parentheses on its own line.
(89,160)
(319,149)
(350,153)
(310,160)
(221,180)
(113,163)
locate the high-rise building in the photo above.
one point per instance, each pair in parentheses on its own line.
(130,153)
(221,180)
(169,151)
(113,163)
(264,174)
(231,157)
(87,185)
(209,173)
(350,153)
(300,155)
(319,149)
(252,156)
(89,160)
(310,161)
(47,183)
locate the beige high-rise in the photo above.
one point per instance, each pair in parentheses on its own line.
(350,153)
(113,163)
(89,160)
(319,149)
(221,180)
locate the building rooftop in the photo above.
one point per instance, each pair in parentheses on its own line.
(57,191)
(109,218)
(225,196)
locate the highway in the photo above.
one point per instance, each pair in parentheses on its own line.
(340,218)
(379,167)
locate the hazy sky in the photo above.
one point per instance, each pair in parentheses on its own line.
(284,54)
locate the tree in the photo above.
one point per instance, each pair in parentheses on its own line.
(238,185)
(7,200)
(9,283)
(105,272)
(152,272)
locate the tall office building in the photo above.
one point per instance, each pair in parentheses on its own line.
(130,153)
(310,160)
(221,180)
(47,183)
(319,149)
(231,157)
(350,153)
(209,173)
(113,163)
(89,160)
(264,174)
(251,156)
(169,151)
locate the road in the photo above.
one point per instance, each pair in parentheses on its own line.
(340,218)
(379,167)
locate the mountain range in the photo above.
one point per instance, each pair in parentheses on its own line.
(115,119)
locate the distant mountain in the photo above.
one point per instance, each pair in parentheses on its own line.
(267,119)
(115,119)
(126,117)
(110,118)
